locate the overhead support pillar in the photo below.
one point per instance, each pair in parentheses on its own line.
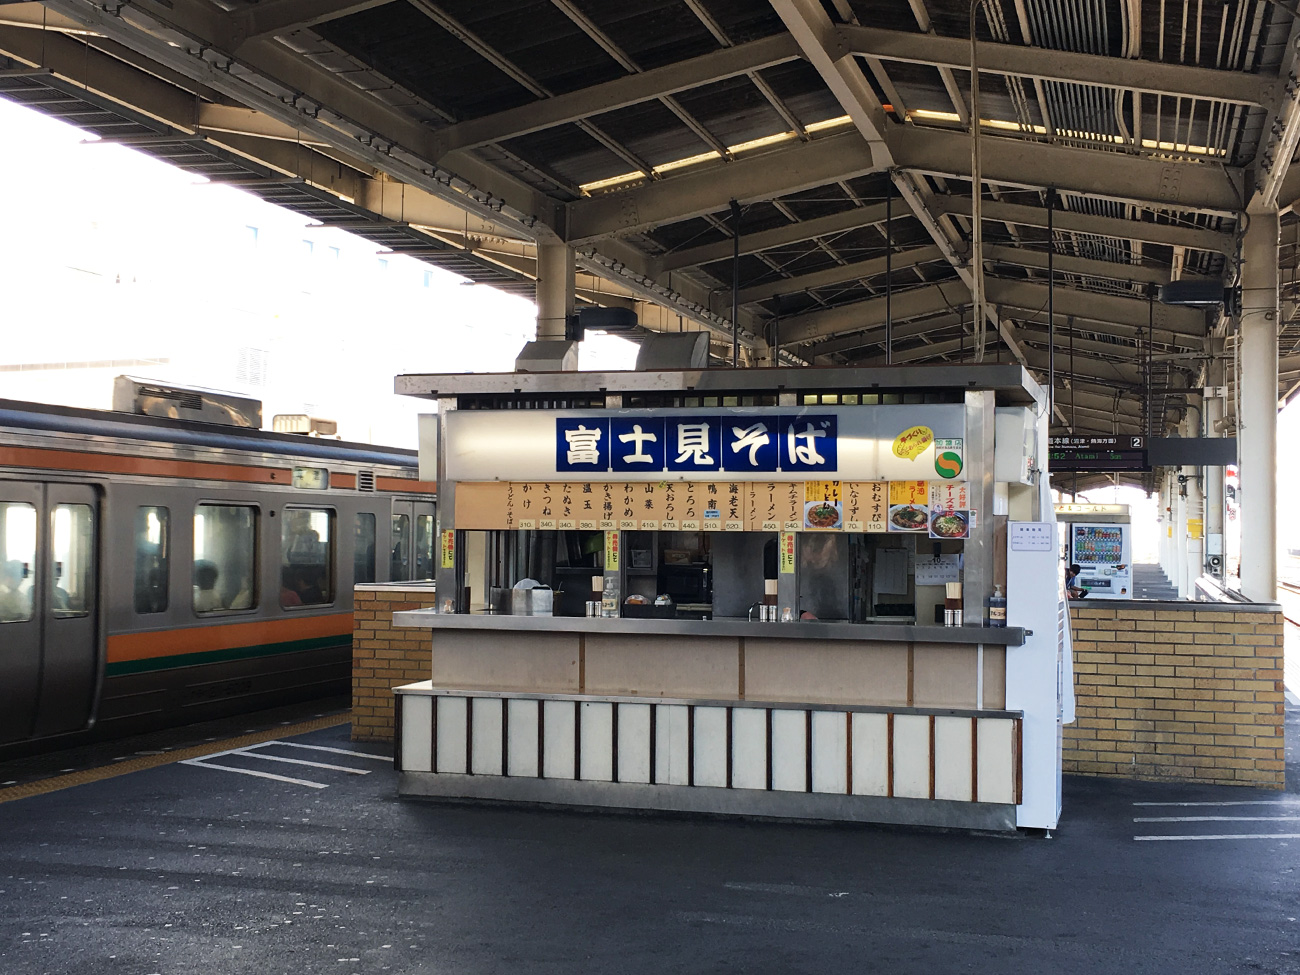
(555,290)
(553,351)
(1257,389)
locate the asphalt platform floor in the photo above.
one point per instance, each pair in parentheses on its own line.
(171,862)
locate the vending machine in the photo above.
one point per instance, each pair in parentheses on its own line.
(1102,554)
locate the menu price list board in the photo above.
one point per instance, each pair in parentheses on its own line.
(1128,453)
(756,506)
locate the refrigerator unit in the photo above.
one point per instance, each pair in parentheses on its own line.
(1105,563)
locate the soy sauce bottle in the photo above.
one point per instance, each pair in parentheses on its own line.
(997,608)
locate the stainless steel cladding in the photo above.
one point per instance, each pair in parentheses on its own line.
(157,572)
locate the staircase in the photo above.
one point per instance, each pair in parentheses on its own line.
(1150,582)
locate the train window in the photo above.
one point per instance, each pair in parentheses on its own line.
(225,557)
(18,548)
(399,565)
(424,546)
(363,554)
(74,560)
(152,551)
(306,557)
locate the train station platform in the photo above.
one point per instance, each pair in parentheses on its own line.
(294,855)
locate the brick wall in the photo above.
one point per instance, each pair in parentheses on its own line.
(384,657)
(1184,692)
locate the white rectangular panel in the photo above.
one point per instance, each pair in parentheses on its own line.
(453,729)
(634,742)
(790,751)
(870,754)
(749,748)
(558,739)
(521,750)
(912,756)
(485,748)
(672,750)
(830,752)
(417,733)
(711,747)
(953,758)
(596,733)
(996,756)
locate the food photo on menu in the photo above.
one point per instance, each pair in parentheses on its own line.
(908,518)
(947,523)
(821,514)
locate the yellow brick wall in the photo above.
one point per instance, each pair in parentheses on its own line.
(384,657)
(1188,695)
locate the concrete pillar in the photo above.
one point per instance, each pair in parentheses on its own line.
(1215,494)
(555,286)
(1193,561)
(1257,424)
(1178,545)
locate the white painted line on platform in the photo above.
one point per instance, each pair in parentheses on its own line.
(201,763)
(249,753)
(1217,819)
(1228,836)
(1237,802)
(334,751)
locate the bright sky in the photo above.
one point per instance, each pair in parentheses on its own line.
(111,255)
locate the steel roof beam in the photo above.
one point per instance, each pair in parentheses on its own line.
(874,334)
(1120,373)
(1083,266)
(793,233)
(839,274)
(1090,306)
(1067,221)
(281,16)
(1187,186)
(745,179)
(920,353)
(195,39)
(1057,65)
(15,14)
(105,76)
(620,93)
(862,315)
(807,22)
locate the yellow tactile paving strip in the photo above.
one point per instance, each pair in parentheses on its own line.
(82,776)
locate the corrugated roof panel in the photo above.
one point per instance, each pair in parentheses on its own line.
(734,110)
(652,33)
(744,20)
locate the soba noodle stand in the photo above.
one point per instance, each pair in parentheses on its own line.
(768,595)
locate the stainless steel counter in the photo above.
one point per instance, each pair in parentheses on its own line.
(1011,636)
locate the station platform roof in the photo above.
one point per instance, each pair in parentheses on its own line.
(1141,133)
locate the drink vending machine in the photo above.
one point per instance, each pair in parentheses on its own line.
(1105,564)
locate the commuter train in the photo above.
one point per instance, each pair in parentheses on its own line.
(157,571)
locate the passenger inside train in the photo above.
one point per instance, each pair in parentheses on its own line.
(206,599)
(15,597)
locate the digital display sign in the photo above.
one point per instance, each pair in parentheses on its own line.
(1128,453)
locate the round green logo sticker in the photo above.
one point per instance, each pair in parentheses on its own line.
(948,463)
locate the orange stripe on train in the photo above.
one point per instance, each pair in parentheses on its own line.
(69,460)
(123,647)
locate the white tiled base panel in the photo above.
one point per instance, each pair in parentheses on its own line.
(939,767)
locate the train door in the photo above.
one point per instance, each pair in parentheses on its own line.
(412,540)
(49,602)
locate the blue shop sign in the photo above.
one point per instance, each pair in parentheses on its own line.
(697,444)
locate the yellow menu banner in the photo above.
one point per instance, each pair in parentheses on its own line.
(755,506)
(448,548)
(787,552)
(909,492)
